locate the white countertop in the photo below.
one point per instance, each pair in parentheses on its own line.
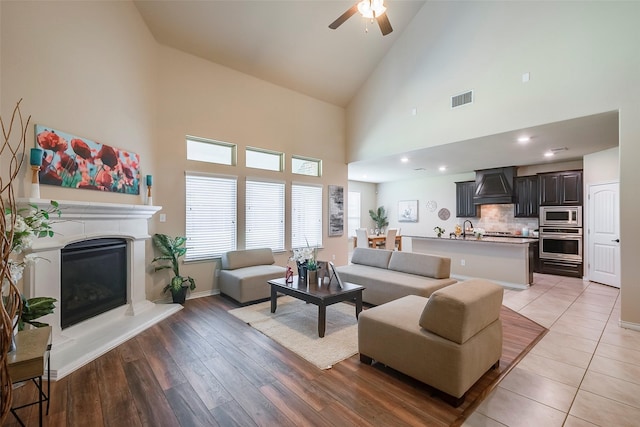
(472,239)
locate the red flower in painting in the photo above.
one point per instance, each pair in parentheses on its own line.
(104,179)
(51,141)
(108,156)
(50,178)
(68,162)
(81,148)
(128,173)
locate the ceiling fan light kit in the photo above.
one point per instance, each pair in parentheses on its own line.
(370,9)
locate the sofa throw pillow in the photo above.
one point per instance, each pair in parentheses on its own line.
(421,264)
(460,311)
(371,257)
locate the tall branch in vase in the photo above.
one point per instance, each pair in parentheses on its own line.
(11,159)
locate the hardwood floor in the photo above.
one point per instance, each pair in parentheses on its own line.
(204,367)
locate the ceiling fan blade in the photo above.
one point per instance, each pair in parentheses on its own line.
(348,14)
(384,24)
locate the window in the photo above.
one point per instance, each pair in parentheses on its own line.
(306,166)
(264,159)
(306,215)
(211,215)
(206,150)
(265,215)
(353,213)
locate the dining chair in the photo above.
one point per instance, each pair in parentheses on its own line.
(390,239)
(362,238)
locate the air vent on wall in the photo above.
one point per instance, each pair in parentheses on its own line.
(462,99)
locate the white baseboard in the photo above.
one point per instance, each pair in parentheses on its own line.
(629,325)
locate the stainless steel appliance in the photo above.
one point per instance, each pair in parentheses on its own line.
(561,243)
(560,216)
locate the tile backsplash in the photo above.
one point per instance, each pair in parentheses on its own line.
(500,218)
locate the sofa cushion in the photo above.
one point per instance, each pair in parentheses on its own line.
(382,285)
(459,311)
(421,264)
(247,258)
(371,257)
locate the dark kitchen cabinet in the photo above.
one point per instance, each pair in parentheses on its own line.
(560,188)
(526,196)
(465,208)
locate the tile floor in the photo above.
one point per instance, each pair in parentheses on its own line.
(584,372)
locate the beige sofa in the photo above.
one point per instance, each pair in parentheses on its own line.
(388,275)
(447,341)
(245,273)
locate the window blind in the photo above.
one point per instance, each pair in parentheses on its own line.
(211,216)
(264,215)
(306,216)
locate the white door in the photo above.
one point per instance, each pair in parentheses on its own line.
(604,234)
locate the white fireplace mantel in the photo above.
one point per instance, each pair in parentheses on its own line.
(79,344)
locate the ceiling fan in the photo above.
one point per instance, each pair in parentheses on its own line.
(372,9)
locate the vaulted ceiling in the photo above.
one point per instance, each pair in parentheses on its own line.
(289,43)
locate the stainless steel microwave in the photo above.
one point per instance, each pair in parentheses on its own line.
(564,216)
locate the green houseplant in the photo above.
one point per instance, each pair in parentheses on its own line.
(379,216)
(34,308)
(172,249)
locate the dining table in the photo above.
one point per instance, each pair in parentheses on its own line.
(374,239)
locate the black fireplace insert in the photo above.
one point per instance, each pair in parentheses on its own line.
(93,279)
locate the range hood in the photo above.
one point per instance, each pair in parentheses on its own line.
(494,186)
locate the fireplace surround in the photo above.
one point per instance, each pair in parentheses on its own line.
(80,343)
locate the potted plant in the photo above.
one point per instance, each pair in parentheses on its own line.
(34,308)
(172,249)
(379,217)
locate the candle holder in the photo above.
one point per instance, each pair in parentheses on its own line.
(149,180)
(35,182)
(35,159)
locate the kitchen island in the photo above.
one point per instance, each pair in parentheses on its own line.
(505,260)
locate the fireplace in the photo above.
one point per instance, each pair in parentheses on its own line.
(93,279)
(106,233)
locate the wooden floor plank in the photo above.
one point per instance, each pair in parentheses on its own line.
(117,403)
(188,407)
(83,399)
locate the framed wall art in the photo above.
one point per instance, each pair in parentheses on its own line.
(336,210)
(75,162)
(408,211)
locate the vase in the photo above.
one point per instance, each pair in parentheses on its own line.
(302,270)
(312,277)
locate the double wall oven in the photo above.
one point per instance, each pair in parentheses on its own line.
(561,239)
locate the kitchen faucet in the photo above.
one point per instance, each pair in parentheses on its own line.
(464,229)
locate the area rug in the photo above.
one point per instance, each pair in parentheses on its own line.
(295,326)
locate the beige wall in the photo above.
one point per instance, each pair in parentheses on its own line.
(582,57)
(97,73)
(206,100)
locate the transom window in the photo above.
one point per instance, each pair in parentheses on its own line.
(264,159)
(207,150)
(306,166)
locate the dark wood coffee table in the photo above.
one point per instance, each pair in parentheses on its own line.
(321,295)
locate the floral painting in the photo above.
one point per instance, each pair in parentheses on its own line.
(71,161)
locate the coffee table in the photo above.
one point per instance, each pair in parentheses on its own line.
(321,295)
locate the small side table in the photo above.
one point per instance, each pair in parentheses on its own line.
(29,361)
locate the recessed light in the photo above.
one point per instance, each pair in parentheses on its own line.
(404,159)
(442,168)
(524,139)
(549,154)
